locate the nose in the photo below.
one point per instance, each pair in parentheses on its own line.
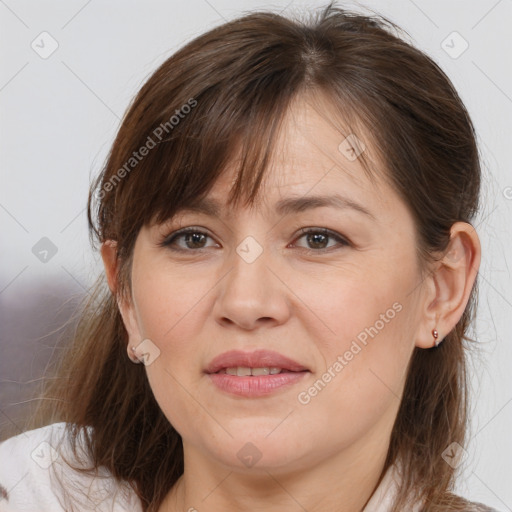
(252,295)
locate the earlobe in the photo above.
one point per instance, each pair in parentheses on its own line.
(450,285)
(428,331)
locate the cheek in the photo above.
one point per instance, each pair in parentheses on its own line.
(359,389)
(370,303)
(169,313)
(168,304)
(368,343)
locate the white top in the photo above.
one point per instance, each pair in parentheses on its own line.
(27,484)
(35,476)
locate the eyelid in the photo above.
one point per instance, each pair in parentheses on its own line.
(168,239)
(342,240)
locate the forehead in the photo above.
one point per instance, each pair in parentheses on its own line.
(316,153)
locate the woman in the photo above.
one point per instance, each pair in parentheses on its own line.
(285,224)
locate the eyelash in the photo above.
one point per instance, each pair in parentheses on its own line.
(170,239)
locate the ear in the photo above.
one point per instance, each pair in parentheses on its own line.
(125,305)
(109,257)
(448,287)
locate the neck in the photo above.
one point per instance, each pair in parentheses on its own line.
(342,483)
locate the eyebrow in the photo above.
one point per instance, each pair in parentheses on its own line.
(288,205)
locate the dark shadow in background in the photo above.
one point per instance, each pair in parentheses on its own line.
(36,324)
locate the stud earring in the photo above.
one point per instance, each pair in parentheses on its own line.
(133,355)
(435,334)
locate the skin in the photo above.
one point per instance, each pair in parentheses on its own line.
(193,305)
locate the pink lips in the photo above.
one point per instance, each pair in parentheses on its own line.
(254,386)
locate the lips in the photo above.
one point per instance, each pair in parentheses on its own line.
(258,359)
(257,374)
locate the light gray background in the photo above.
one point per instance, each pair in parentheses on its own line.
(58,118)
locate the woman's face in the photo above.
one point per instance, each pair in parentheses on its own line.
(337,308)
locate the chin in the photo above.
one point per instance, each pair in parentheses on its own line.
(257,450)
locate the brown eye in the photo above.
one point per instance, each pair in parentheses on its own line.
(187,239)
(318,239)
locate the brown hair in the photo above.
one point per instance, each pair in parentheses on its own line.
(238,81)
